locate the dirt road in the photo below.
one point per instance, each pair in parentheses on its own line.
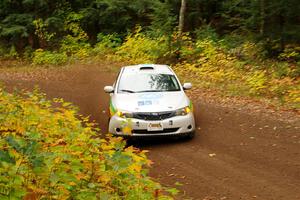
(235,154)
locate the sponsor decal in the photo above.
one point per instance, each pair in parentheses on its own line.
(148,102)
(141,103)
(149,99)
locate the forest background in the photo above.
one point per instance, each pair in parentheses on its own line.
(239,47)
(247,48)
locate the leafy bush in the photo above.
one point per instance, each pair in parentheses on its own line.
(207,48)
(46,152)
(41,57)
(184,47)
(28,53)
(75,48)
(257,82)
(3,51)
(106,44)
(232,41)
(8,53)
(290,53)
(212,68)
(241,71)
(293,96)
(138,48)
(281,69)
(206,32)
(41,31)
(75,44)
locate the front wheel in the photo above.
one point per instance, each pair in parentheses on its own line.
(189,136)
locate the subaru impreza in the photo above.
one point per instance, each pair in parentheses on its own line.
(148,100)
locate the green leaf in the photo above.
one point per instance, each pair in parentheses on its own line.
(172,191)
(178,184)
(5,157)
(12,142)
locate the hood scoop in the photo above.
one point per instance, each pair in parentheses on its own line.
(147,68)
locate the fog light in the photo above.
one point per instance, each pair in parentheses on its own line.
(118,129)
(189,127)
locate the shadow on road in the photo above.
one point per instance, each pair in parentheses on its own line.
(158,141)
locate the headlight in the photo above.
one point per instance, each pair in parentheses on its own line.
(124,114)
(183,111)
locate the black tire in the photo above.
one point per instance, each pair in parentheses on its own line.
(189,136)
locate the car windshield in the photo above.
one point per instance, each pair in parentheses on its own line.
(133,83)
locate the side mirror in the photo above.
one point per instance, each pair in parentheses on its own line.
(109,89)
(187,86)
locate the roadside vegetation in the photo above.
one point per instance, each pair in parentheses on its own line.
(235,47)
(49,151)
(232,64)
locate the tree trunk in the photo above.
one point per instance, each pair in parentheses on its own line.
(282,31)
(262,17)
(181,16)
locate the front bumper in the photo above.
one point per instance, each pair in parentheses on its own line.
(174,126)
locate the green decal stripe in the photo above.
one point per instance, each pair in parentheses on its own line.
(112,108)
(191,106)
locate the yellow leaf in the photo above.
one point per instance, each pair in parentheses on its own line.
(72,183)
(136,167)
(104,179)
(57,160)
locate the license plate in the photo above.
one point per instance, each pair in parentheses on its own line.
(155,127)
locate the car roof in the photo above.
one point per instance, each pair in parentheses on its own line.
(148,68)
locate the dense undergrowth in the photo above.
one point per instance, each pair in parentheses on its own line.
(233,64)
(48,151)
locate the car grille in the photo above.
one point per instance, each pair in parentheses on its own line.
(145,131)
(153,115)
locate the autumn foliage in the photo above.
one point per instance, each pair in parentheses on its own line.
(49,151)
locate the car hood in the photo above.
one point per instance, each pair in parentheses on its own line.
(150,102)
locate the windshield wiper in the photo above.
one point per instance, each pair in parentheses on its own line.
(129,91)
(151,91)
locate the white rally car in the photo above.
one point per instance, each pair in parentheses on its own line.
(148,100)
